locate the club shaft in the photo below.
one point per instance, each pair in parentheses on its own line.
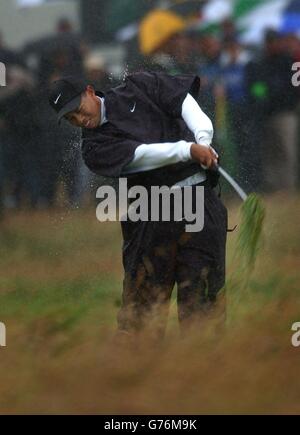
(233,183)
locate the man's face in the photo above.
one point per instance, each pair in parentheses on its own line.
(88,114)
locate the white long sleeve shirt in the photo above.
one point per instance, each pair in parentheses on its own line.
(157,155)
(197,121)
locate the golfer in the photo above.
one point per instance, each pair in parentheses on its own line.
(152,131)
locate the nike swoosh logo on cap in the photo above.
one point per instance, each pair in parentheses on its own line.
(133,109)
(57,99)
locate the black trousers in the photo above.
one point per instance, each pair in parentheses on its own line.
(156,255)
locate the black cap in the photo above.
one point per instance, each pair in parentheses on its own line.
(65,95)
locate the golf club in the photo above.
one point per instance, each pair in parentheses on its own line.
(232,182)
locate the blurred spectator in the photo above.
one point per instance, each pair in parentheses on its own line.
(54,56)
(36,152)
(228,30)
(291,46)
(61,155)
(234,60)
(62,52)
(7,56)
(209,70)
(273,101)
(70,45)
(20,150)
(96,71)
(164,43)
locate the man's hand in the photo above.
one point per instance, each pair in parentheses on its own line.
(205,156)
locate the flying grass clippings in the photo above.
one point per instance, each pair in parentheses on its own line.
(249,239)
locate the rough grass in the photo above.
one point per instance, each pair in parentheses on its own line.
(60,288)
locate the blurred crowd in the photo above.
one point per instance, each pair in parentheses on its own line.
(40,161)
(247,92)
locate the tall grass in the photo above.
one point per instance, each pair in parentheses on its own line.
(250,235)
(60,315)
